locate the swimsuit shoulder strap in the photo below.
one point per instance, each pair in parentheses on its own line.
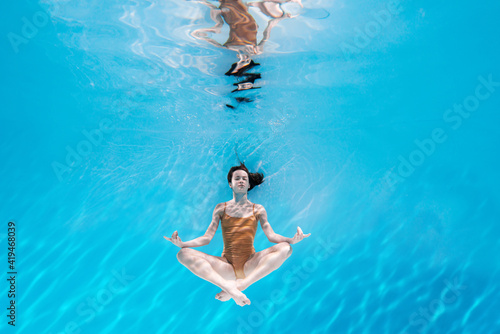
(225,203)
(254,210)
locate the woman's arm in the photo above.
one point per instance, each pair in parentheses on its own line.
(216,15)
(275,237)
(267,32)
(206,238)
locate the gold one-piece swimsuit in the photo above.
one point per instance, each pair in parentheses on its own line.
(238,235)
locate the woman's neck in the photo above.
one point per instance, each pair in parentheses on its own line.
(240,199)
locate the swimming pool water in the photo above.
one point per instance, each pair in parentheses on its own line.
(375,126)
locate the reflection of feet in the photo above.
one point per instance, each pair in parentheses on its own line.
(240,65)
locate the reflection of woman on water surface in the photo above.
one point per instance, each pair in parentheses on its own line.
(239,266)
(242,26)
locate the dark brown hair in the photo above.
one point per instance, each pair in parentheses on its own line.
(254,178)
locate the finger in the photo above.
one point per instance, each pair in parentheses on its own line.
(299,230)
(306,235)
(168,238)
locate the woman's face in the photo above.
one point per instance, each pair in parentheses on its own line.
(240,182)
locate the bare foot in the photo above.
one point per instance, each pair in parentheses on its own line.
(238,296)
(223,296)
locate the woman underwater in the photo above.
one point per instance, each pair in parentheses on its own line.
(239,266)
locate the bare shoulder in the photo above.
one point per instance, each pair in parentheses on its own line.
(259,207)
(260,210)
(219,209)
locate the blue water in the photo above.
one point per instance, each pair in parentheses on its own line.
(357,135)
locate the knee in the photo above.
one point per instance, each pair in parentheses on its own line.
(183,254)
(286,248)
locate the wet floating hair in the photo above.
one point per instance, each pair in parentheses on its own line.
(254,178)
(242,70)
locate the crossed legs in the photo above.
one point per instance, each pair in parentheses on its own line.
(263,263)
(218,271)
(212,269)
(260,265)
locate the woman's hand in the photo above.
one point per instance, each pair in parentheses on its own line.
(298,236)
(175,239)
